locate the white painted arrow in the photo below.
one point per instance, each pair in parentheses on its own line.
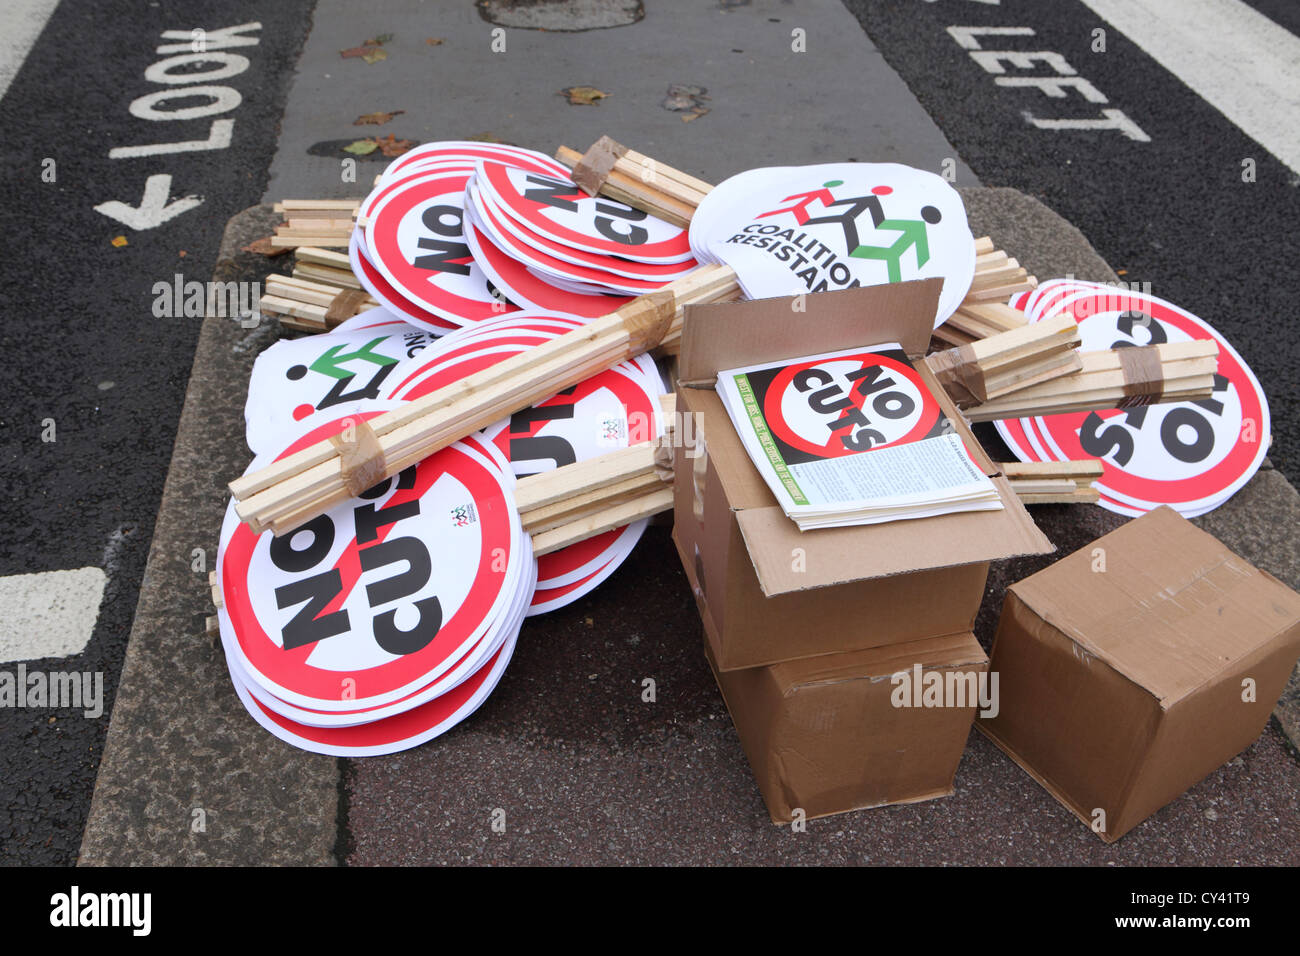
(154,209)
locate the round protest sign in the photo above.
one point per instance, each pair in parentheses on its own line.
(390,298)
(557,209)
(580,561)
(1190,455)
(390,734)
(342,371)
(797,229)
(416,240)
(468,153)
(557,259)
(383,594)
(518,284)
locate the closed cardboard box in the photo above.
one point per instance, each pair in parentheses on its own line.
(769,593)
(1138,665)
(864,729)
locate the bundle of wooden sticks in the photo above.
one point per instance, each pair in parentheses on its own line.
(315,222)
(1007,362)
(1116,378)
(1054,482)
(629,177)
(322,292)
(575,502)
(984,311)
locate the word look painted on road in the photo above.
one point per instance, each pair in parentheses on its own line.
(190,71)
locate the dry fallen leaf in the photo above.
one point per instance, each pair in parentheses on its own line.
(486,138)
(376,119)
(355,51)
(583,95)
(375,55)
(362,147)
(434,41)
(119,241)
(379,39)
(694,114)
(263,247)
(391,146)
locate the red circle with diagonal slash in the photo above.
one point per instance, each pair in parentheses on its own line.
(415,283)
(567,260)
(772,406)
(288,674)
(519,285)
(531,213)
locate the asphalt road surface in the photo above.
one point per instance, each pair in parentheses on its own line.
(96,378)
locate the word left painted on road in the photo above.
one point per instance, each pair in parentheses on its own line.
(1053,85)
(74,909)
(189,72)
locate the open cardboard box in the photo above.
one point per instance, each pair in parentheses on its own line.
(769,593)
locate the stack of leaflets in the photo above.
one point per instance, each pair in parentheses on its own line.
(853,437)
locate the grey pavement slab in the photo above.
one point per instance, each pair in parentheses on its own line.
(180,741)
(769,105)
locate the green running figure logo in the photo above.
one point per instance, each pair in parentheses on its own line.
(912,232)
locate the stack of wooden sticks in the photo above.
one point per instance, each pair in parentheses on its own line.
(984,311)
(315,222)
(321,292)
(1007,362)
(579,501)
(1054,482)
(627,176)
(1116,378)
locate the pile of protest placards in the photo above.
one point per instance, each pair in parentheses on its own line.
(491,320)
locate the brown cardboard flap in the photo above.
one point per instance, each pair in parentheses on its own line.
(744,485)
(788,560)
(1163,603)
(731,334)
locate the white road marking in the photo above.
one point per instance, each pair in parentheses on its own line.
(154,209)
(48,614)
(1235,58)
(24,20)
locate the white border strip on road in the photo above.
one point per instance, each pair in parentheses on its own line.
(1235,58)
(48,614)
(23,22)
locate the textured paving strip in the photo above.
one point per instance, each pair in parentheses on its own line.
(768,103)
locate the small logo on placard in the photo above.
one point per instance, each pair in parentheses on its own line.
(463,515)
(613,430)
